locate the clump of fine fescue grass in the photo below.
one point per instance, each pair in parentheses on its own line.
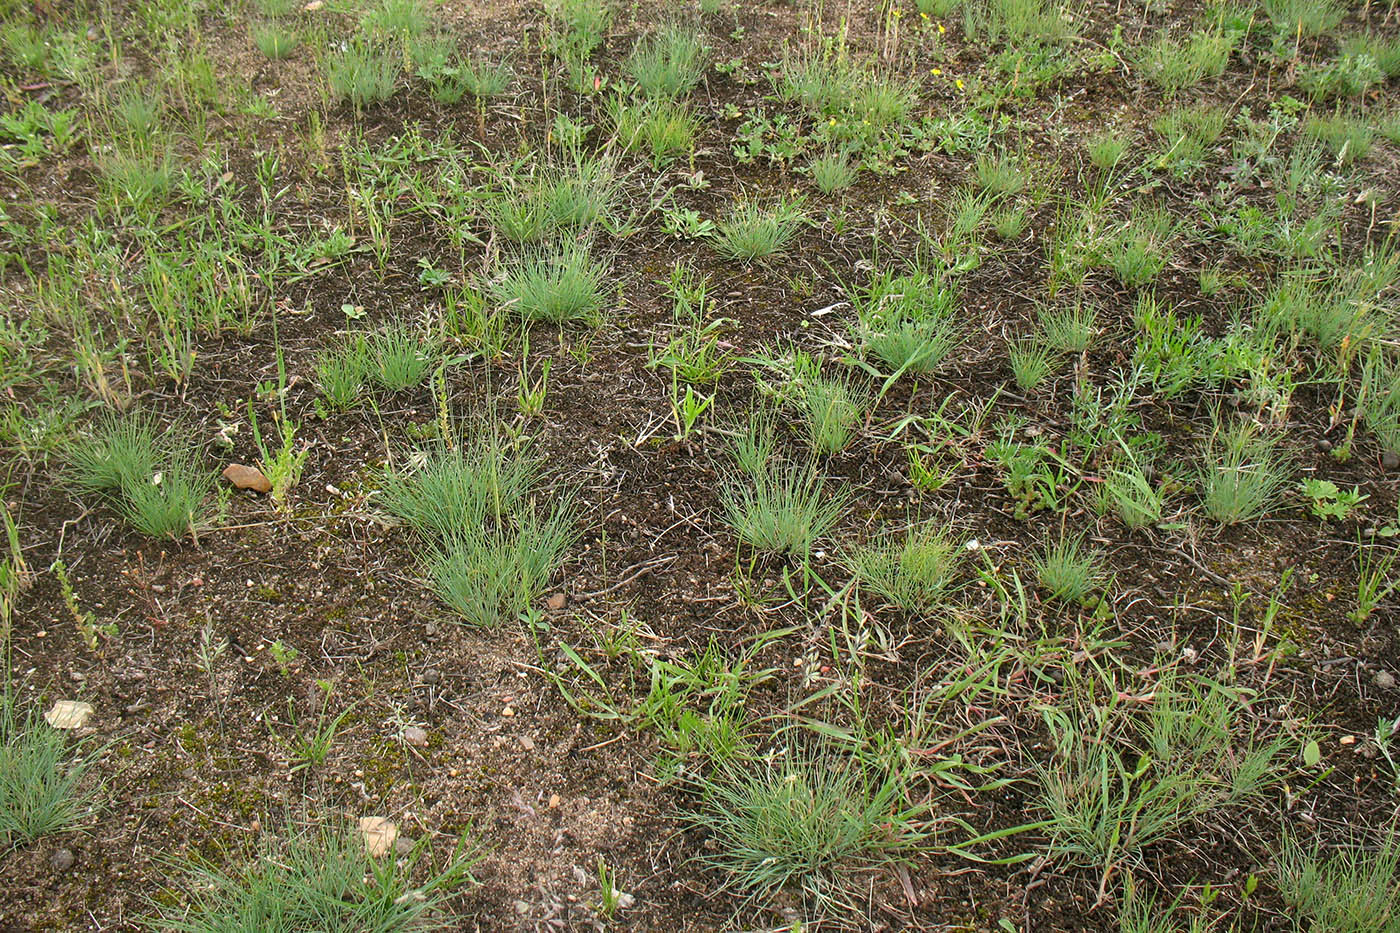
(752,231)
(362,74)
(555,286)
(462,486)
(829,408)
(669,63)
(1068,571)
(1031,362)
(1069,330)
(774,504)
(1347,138)
(41,776)
(663,128)
(833,171)
(556,201)
(1303,18)
(803,823)
(1352,890)
(491,546)
(496,573)
(1175,66)
(1000,175)
(399,19)
(1120,780)
(907,321)
(913,570)
(152,479)
(315,877)
(577,27)
(399,356)
(1243,473)
(275,41)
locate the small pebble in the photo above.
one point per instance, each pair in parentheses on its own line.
(1324,445)
(507,712)
(1385,680)
(63,860)
(431,676)
(1347,740)
(1390,460)
(527,742)
(554,801)
(404,845)
(415,736)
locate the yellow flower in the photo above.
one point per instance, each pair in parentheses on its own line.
(959,83)
(831,122)
(923,16)
(937,71)
(941,30)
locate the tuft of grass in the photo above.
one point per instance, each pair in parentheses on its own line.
(1068,571)
(830,408)
(489,574)
(1106,150)
(1119,781)
(1000,175)
(362,74)
(1071,329)
(751,231)
(275,41)
(555,286)
(41,777)
(1352,890)
(314,877)
(664,128)
(907,321)
(1243,473)
(577,27)
(1176,66)
(1031,361)
(154,481)
(779,506)
(669,63)
(342,373)
(803,822)
(833,171)
(399,356)
(1347,138)
(398,19)
(913,571)
(461,486)
(1303,18)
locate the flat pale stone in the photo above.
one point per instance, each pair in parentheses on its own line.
(68,714)
(246,477)
(380,834)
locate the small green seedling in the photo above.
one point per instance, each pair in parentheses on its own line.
(1326,500)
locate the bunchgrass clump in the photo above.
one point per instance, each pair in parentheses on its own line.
(1068,571)
(803,823)
(778,506)
(1176,66)
(314,877)
(342,373)
(398,19)
(913,570)
(907,321)
(1355,889)
(275,40)
(152,479)
(362,74)
(662,128)
(42,776)
(1000,175)
(1069,329)
(476,481)
(399,356)
(833,171)
(752,231)
(487,575)
(669,63)
(555,286)
(1106,150)
(491,545)
(1031,362)
(1243,473)
(1347,138)
(1305,19)
(577,27)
